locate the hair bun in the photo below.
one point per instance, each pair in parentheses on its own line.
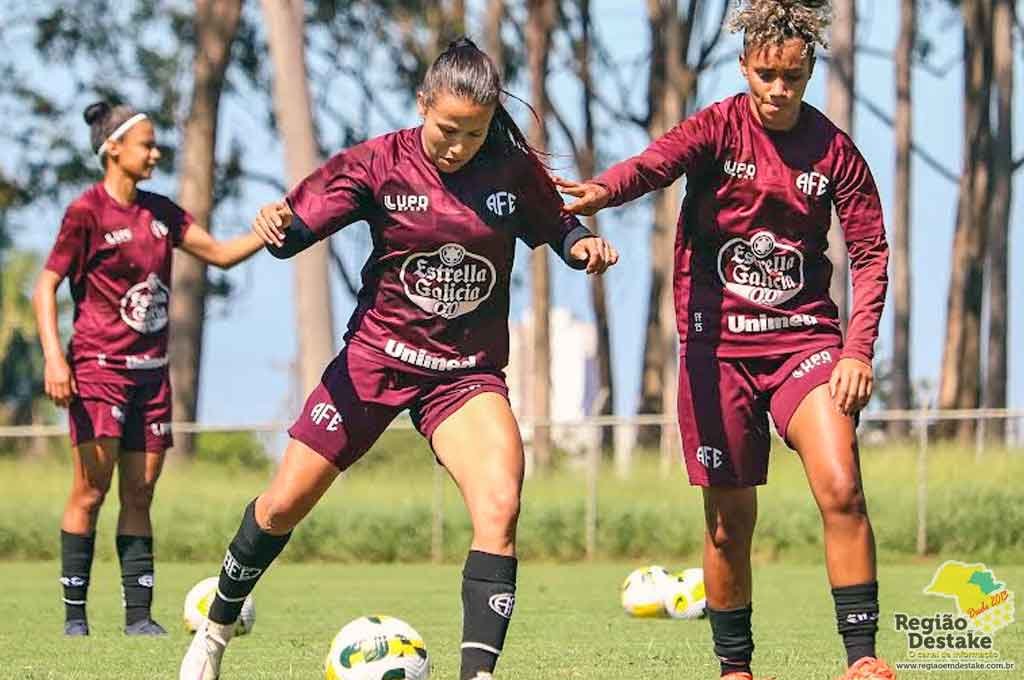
(96,111)
(461,43)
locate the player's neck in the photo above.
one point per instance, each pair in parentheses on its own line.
(120,187)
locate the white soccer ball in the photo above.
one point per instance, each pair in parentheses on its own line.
(377,648)
(684,594)
(197,607)
(643,593)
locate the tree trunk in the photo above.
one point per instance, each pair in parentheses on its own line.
(587,167)
(961,359)
(840,90)
(216,24)
(901,384)
(313,312)
(1002,197)
(540,22)
(493,43)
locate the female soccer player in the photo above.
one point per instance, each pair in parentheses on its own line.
(445,202)
(115,247)
(758,332)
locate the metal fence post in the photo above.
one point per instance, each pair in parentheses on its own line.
(590,511)
(437,517)
(922,482)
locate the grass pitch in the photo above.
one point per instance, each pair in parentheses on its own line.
(568,623)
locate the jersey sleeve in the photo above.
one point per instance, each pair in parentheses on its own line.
(860,216)
(543,220)
(336,194)
(177,220)
(71,250)
(681,151)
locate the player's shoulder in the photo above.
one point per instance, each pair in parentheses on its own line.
(161,206)
(377,155)
(87,206)
(818,125)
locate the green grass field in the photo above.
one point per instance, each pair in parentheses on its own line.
(568,623)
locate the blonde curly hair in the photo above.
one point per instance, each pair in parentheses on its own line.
(772,22)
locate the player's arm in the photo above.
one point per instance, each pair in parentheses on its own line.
(860,215)
(58,381)
(544,220)
(284,234)
(199,242)
(679,151)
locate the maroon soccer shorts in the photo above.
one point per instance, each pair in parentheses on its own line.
(358,397)
(724,405)
(138,415)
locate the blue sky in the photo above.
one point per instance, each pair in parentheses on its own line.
(250,341)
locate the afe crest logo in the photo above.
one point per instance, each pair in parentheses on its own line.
(812,183)
(502,203)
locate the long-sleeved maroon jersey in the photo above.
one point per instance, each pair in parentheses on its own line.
(751,275)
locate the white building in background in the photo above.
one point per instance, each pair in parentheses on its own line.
(574,376)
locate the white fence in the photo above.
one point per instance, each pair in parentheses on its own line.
(584,437)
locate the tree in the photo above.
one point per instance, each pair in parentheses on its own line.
(584,151)
(900,369)
(540,22)
(314,317)
(216,25)
(1002,198)
(21,360)
(961,358)
(839,109)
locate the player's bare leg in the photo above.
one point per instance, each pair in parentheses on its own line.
(93,468)
(300,481)
(138,472)
(827,443)
(481,448)
(730,514)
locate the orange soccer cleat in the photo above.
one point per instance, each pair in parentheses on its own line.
(869,668)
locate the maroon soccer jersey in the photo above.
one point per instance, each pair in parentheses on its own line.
(435,289)
(117,259)
(751,275)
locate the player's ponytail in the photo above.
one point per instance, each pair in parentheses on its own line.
(465,70)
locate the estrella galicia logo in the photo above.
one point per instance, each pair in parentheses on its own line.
(502,604)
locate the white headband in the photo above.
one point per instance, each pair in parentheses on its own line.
(119,133)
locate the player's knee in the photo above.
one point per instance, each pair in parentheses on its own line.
(89,499)
(499,513)
(138,496)
(730,532)
(844,498)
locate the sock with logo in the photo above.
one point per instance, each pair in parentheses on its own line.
(76,553)
(136,556)
(857,618)
(488,597)
(250,553)
(734,641)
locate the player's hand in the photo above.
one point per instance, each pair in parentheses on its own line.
(850,385)
(596,252)
(58,382)
(590,196)
(271,222)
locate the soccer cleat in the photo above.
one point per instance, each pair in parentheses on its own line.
(869,668)
(145,627)
(76,628)
(204,654)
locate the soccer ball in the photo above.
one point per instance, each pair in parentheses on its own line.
(377,648)
(197,607)
(643,592)
(684,594)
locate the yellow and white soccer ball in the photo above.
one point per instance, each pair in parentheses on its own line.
(643,594)
(684,594)
(197,607)
(377,648)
